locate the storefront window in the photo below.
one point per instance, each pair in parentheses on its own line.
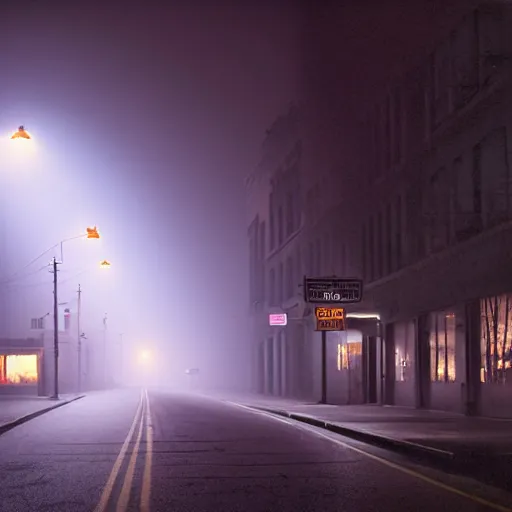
(442,347)
(349,354)
(496,339)
(404,351)
(20,369)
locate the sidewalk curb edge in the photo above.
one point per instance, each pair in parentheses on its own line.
(24,419)
(396,445)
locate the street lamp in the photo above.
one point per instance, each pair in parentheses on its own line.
(21,134)
(93,233)
(90,233)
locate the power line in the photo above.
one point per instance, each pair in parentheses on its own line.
(17,273)
(42,254)
(14,277)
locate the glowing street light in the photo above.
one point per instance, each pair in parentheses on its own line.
(21,134)
(105,264)
(93,232)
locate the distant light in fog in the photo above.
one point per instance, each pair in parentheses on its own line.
(145,355)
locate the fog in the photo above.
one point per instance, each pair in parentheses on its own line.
(147,131)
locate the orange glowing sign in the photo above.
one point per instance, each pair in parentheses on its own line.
(325,313)
(330,319)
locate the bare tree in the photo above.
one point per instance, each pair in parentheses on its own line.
(487,341)
(495,323)
(505,336)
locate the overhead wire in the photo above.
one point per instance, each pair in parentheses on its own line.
(17,286)
(18,272)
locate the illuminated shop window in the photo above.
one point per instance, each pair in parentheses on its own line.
(496,339)
(21,369)
(347,353)
(404,334)
(442,347)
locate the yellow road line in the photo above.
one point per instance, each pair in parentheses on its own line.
(107,491)
(407,471)
(146,480)
(124,497)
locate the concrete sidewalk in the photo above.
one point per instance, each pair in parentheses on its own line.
(15,410)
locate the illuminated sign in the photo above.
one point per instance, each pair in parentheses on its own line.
(330,319)
(332,290)
(278,319)
(330,325)
(326,313)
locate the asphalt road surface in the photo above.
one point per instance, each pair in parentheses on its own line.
(155,451)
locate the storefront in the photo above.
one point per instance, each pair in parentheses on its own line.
(21,364)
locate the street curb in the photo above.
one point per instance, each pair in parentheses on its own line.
(404,447)
(23,419)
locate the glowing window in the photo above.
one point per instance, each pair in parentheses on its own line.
(347,353)
(21,369)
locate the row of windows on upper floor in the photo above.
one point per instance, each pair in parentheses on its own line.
(466,63)
(323,256)
(454,203)
(284,206)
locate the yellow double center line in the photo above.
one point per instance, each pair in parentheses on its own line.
(142,413)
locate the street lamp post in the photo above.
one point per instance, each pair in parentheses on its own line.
(80,334)
(91,233)
(79,338)
(55,332)
(105,351)
(121,358)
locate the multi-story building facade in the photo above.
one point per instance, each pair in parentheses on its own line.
(417,204)
(435,217)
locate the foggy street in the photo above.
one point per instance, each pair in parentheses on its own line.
(197,454)
(255,256)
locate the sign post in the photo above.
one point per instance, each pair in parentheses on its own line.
(329,291)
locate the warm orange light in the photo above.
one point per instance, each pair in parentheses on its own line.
(105,264)
(21,134)
(21,369)
(93,232)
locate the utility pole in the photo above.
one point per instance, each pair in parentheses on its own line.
(55,332)
(121,361)
(79,338)
(323,400)
(105,350)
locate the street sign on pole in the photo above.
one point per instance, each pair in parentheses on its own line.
(330,319)
(332,290)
